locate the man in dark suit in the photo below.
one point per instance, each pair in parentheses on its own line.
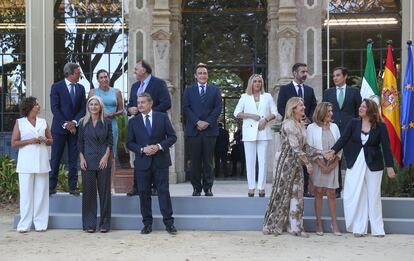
(68,104)
(345,105)
(220,154)
(202,107)
(150,135)
(296,88)
(158,90)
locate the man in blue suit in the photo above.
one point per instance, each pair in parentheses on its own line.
(202,107)
(150,135)
(345,101)
(158,90)
(68,104)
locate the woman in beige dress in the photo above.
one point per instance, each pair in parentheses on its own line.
(286,200)
(321,136)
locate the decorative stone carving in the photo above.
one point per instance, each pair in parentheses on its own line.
(287,45)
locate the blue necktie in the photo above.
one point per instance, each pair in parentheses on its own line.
(72,93)
(202,93)
(300,93)
(148,124)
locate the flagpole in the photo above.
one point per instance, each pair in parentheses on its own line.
(411,19)
(327,48)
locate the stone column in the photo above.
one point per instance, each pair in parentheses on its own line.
(39,52)
(175,77)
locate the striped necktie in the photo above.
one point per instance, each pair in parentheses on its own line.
(202,93)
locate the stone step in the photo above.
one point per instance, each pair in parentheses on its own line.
(232,213)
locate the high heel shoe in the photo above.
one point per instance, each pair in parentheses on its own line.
(358,235)
(299,234)
(319,230)
(251,193)
(262,193)
(336,233)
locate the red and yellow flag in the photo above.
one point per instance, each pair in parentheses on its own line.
(390,106)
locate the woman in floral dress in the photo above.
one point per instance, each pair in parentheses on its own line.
(286,200)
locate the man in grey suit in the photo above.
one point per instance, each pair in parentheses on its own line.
(345,101)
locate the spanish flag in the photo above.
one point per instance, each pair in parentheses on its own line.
(390,106)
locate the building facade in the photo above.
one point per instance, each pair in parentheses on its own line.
(235,38)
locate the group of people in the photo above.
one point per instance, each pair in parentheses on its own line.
(313,137)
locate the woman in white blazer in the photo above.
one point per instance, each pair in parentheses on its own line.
(257,109)
(31,135)
(321,136)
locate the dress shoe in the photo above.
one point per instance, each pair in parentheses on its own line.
(381,236)
(299,234)
(146,229)
(52,191)
(154,192)
(262,193)
(358,235)
(104,230)
(131,193)
(171,229)
(337,232)
(208,193)
(74,192)
(250,193)
(90,230)
(196,193)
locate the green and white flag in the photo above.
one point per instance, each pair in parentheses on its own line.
(369,87)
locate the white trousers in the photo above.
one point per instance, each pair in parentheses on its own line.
(34,201)
(362,198)
(251,148)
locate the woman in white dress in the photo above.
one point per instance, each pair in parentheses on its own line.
(369,144)
(31,135)
(256,108)
(322,135)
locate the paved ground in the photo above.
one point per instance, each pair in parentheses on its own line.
(60,245)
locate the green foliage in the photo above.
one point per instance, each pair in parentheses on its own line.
(9,180)
(401,186)
(122,150)
(63,184)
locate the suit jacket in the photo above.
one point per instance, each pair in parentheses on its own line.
(350,107)
(314,135)
(250,128)
(374,155)
(93,142)
(162,133)
(288,91)
(62,108)
(158,90)
(194,110)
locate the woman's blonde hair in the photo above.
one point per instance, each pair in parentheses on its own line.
(321,111)
(291,104)
(87,116)
(249,89)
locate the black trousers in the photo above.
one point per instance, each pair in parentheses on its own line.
(161,180)
(93,181)
(202,161)
(220,162)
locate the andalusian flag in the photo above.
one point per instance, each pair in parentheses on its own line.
(390,105)
(369,86)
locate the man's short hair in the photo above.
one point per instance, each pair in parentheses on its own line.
(146,66)
(69,69)
(296,66)
(146,95)
(343,70)
(201,65)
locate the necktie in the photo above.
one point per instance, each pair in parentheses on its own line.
(341,97)
(202,94)
(72,92)
(141,88)
(300,92)
(148,124)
